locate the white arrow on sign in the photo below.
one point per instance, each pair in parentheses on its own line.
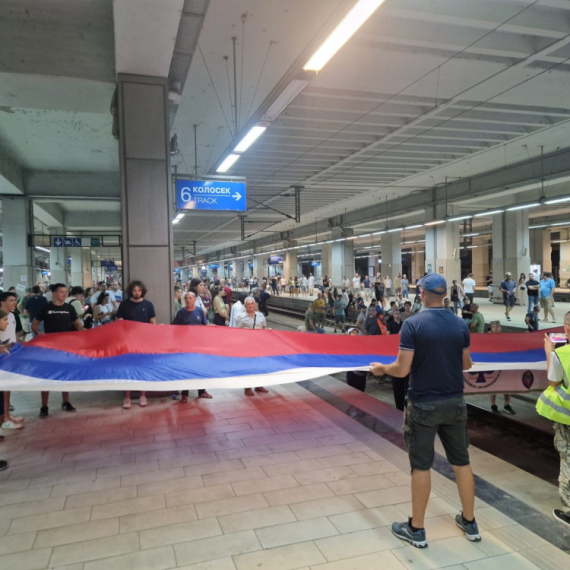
(57,241)
(237,195)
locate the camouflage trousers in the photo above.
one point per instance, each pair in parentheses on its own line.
(562,444)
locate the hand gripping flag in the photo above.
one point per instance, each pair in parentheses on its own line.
(133,356)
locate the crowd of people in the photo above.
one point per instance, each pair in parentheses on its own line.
(427,375)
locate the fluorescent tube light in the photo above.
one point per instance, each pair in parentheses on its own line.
(250,138)
(434,223)
(43,249)
(536,227)
(352,237)
(472,246)
(523,207)
(178,218)
(329,241)
(557,201)
(458,218)
(414,227)
(483,214)
(365,235)
(340,239)
(394,230)
(228,163)
(469,235)
(342,33)
(378,233)
(561,224)
(284,99)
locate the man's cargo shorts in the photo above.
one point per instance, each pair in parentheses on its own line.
(446,418)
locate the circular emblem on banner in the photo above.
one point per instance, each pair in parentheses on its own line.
(527,379)
(482,380)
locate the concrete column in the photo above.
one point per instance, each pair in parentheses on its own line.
(442,250)
(391,254)
(145,180)
(547,251)
(372,266)
(480,263)
(18,256)
(342,256)
(327,260)
(564,273)
(291,266)
(58,259)
(238,270)
(77,266)
(259,267)
(418,266)
(511,247)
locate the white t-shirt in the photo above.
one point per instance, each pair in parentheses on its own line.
(10,333)
(311,281)
(356,282)
(469,285)
(555,371)
(388,283)
(346,283)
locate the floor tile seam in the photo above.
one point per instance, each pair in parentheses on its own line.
(480,481)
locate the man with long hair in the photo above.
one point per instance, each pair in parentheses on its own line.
(136,308)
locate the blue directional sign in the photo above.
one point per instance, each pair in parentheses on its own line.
(67,242)
(57,241)
(211,195)
(76,242)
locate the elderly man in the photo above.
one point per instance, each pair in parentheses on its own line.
(190,314)
(251,319)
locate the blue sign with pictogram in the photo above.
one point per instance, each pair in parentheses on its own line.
(210,195)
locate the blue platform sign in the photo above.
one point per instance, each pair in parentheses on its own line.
(210,195)
(275,259)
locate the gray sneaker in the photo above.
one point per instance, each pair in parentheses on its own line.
(404,532)
(471,530)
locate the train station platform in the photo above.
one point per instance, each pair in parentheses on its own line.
(308,476)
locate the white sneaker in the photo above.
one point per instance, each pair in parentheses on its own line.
(11,425)
(142,401)
(16,419)
(127,404)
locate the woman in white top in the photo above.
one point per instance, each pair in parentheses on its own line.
(251,319)
(103,313)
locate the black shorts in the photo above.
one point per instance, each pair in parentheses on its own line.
(509,300)
(446,418)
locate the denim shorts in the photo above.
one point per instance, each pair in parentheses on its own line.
(446,418)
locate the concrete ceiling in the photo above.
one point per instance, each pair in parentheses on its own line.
(424,91)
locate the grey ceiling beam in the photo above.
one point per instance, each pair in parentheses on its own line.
(11,175)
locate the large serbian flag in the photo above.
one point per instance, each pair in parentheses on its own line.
(126,355)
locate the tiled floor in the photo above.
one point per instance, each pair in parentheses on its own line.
(281,481)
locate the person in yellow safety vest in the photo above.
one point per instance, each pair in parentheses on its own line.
(554,404)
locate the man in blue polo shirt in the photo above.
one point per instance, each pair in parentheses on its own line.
(191,315)
(546,295)
(434,351)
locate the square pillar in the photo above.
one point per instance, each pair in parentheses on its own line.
(18,256)
(144,152)
(480,263)
(391,260)
(442,250)
(418,265)
(326,260)
(511,247)
(258,267)
(291,265)
(342,256)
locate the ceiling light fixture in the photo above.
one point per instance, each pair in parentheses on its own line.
(394,230)
(414,227)
(365,235)
(362,10)
(250,138)
(434,223)
(523,207)
(285,98)
(228,163)
(469,235)
(560,224)
(43,249)
(536,227)
(378,233)
(491,213)
(557,201)
(458,218)
(178,218)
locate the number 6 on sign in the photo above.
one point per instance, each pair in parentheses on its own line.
(186,194)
